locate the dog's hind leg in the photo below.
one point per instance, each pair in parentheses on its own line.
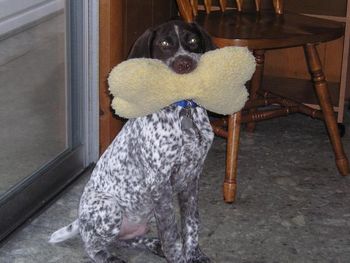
(100,219)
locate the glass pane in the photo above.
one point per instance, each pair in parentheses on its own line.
(33,93)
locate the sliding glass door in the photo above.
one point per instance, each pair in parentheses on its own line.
(48,107)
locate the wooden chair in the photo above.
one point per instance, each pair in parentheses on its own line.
(261,30)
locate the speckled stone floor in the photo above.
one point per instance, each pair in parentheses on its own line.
(292,205)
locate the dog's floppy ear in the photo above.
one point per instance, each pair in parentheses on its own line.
(207,41)
(142,46)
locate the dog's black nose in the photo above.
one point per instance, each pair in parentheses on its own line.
(183,64)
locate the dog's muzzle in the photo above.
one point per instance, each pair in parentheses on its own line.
(183,64)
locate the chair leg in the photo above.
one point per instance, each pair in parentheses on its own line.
(256,82)
(230,183)
(322,91)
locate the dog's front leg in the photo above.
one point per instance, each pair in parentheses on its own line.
(188,200)
(167,228)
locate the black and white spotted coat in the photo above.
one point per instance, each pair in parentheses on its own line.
(151,161)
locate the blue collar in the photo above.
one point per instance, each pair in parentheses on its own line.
(186,104)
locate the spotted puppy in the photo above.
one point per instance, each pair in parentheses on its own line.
(152,160)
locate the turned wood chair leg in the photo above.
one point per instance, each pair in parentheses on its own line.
(256,82)
(322,92)
(230,183)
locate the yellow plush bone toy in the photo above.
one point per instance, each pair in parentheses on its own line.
(143,86)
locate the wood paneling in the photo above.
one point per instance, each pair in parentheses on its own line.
(289,62)
(347,91)
(137,18)
(293,64)
(121,23)
(138,15)
(332,59)
(320,7)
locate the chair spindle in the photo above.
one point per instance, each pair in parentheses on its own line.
(239,5)
(207,5)
(194,4)
(185,10)
(223,5)
(258,5)
(278,5)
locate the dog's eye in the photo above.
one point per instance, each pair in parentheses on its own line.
(192,41)
(164,44)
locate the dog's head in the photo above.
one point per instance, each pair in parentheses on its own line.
(178,44)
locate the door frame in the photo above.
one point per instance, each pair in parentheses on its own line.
(26,198)
(110,54)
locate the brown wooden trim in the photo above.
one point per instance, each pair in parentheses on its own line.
(111,53)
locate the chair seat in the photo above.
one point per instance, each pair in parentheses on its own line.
(269,30)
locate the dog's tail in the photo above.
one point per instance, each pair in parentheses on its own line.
(65,232)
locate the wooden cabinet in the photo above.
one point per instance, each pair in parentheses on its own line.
(121,23)
(291,73)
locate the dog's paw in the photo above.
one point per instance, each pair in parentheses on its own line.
(198,257)
(154,245)
(114,259)
(204,259)
(106,257)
